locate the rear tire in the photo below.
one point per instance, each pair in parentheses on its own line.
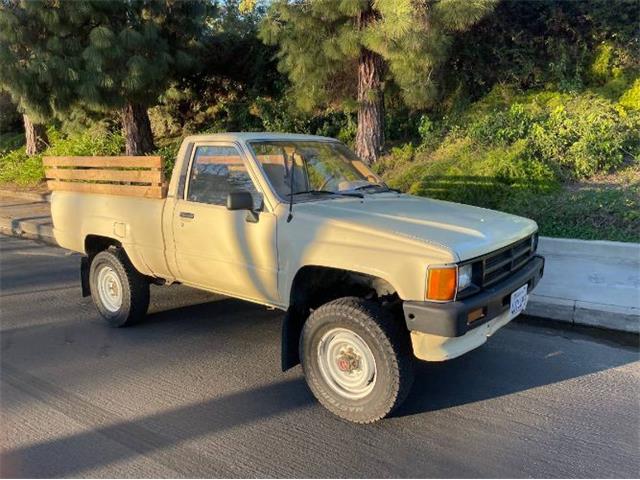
(357,359)
(119,291)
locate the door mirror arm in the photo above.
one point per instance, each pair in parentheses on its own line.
(253,216)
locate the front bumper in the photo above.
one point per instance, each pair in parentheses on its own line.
(452,319)
(436,348)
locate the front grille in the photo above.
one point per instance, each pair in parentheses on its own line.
(499,264)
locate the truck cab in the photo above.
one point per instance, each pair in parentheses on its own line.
(369,278)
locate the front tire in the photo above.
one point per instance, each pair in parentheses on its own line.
(119,292)
(357,359)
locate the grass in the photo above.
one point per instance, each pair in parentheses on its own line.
(603,207)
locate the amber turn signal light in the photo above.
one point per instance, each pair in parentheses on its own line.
(442,283)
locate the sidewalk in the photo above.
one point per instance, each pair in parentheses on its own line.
(594,283)
(586,282)
(27,216)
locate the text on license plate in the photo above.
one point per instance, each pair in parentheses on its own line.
(519,300)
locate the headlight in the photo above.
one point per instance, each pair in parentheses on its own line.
(464,277)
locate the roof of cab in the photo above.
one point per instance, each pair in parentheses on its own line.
(253,136)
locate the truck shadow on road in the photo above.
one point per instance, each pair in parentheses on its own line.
(508,364)
(162,432)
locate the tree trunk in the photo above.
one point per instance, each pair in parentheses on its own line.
(370,134)
(35,136)
(136,129)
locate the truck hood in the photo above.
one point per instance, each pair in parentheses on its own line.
(464,230)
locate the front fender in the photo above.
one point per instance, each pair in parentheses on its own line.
(398,259)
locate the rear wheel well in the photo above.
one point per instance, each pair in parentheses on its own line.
(94,244)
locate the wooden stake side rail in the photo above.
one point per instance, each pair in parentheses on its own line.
(125,175)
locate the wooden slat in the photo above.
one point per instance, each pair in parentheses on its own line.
(219,159)
(109,189)
(95,174)
(80,174)
(271,159)
(101,162)
(362,168)
(237,160)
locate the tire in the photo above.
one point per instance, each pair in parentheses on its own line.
(119,292)
(338,367)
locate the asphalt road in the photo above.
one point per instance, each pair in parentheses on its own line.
(196,391)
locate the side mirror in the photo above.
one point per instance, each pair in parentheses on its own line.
(243,200)
(240,200)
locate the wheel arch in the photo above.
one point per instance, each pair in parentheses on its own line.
(94,244)
(315,285)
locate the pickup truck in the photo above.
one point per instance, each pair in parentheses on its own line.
(369,277)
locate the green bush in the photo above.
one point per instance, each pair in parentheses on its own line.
(169,151)
(425,128)
(91,142)
(10,141)
(20,169)
(16,167)
(584,137)
(575,135)
(514,152)
(630,99)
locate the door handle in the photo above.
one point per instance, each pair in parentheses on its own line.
(186,215)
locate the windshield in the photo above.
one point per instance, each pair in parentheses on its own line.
(313,167)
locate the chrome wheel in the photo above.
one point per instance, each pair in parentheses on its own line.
(346,363)
(109,288)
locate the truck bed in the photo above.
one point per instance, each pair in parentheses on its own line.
(136,222)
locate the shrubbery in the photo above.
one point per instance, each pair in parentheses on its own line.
(513,152)
(20,169)
(533,138)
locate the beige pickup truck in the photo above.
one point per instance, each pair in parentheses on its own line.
(369,277)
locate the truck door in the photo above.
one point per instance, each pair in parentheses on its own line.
(219,249)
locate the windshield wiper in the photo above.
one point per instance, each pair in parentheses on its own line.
(384,188)
(329,192)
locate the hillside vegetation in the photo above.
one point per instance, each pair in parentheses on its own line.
(569,161)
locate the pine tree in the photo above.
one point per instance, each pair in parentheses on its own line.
(22,75)
(341,50)
(99,55)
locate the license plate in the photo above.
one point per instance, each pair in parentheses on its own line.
(519,300)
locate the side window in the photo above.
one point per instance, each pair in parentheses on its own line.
(216,171)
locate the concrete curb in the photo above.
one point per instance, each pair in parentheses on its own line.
(591,248)
(612,317)
(31,196)
(27,229)
(589,282)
